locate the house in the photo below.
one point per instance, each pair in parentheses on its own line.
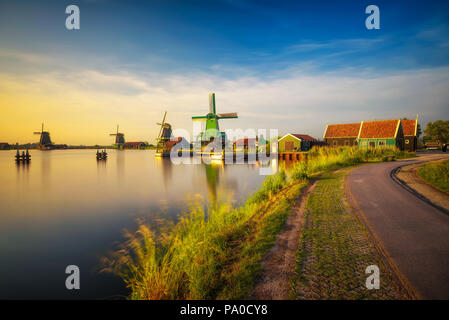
(246,145)
(410,128)
(4,146)
(385,133)
(293,142)
(338,135)
(134,145)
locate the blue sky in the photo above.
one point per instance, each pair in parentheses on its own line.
(293,65)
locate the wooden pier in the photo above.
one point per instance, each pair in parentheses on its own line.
(24,157)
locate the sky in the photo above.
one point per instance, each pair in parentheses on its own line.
(294,66)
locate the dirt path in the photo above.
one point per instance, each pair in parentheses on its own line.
(279,264)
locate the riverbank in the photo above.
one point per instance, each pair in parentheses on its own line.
(217,253)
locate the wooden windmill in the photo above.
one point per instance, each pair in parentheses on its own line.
(212,130)
(164,136)
(119,138)
(44,140)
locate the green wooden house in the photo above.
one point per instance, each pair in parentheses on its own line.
(385,133)
(293,142)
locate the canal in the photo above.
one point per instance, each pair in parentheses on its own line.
(65,208)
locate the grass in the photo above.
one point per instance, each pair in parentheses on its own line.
(327,159)
(206,255)
(334,249)
(216,253)
(436,174)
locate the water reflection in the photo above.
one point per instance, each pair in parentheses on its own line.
(45,159)
(165,165)
(120,163)
(213,177)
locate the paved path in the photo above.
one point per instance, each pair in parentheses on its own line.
(414,234)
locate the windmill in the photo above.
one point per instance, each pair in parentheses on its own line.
(119,138)
(44,140)
(164,136)
(212,129)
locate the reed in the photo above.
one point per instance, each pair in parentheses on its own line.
(326,159)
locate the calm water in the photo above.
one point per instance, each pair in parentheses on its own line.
(66,208)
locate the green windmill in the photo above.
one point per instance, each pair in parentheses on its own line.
(212,131)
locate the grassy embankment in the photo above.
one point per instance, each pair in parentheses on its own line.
(217,254)
(335,249)
(436,174)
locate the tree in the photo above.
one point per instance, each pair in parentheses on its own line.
(438,131)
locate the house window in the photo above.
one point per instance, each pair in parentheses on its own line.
(346,142)
(381,143)
(335,143)
(372,144)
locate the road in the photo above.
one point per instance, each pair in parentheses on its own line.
(414,234)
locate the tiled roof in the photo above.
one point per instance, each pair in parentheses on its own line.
(348,130)
(378,129)
(409,127)
(303,136)
(171,143)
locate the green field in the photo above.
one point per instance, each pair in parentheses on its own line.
(436,174)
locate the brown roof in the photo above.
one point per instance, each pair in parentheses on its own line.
(303,136)
(171,143)
(348,130)
(379,129)
(409,127)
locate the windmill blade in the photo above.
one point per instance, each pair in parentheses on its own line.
(162,125)
(212,103)
(231,115)
(199,118)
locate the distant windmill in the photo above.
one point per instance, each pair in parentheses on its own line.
(45,138)
(119,138)
(164,135)
(212,129)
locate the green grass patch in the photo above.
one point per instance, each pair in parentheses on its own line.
(436,174)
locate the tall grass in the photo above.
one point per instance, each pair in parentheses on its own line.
(204,252)
(216,254)
(325,159)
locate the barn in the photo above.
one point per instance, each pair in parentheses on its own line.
(294,142)
(410,128)
(339,135)
(385,133)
